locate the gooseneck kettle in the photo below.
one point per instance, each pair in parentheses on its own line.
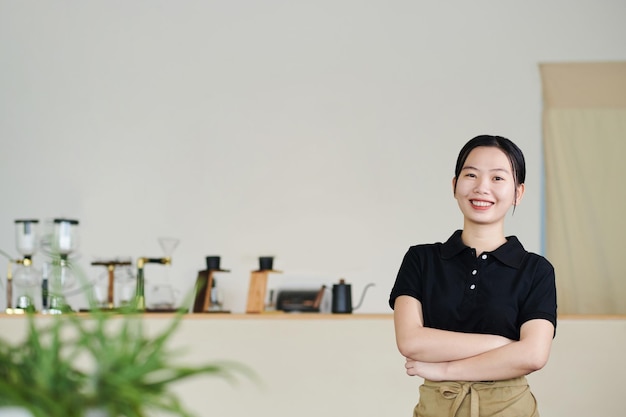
(342,297)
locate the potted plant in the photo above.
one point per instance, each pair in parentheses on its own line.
(99,363)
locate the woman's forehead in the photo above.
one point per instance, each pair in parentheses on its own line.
(487,158)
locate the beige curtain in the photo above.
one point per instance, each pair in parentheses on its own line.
(584,130)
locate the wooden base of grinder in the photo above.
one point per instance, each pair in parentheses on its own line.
(257,291)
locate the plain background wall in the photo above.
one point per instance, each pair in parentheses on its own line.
(349,366)
(323,133)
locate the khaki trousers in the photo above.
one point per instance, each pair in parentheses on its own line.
(508,398)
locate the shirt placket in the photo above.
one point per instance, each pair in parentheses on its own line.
(473,283)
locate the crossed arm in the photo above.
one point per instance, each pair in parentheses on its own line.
(445,355)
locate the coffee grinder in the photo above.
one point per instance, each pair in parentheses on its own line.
(208,298)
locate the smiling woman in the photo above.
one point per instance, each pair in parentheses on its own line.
(478,307)
(486,186)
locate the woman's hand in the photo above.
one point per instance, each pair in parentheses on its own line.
(434,371)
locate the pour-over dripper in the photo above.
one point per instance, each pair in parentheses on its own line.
(162,295)
(168,245)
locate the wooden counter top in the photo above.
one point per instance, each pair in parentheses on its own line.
(243,316)
(315,316)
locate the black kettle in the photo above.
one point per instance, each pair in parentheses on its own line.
(342,297)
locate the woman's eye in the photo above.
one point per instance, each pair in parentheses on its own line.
(498,178)
(470,175)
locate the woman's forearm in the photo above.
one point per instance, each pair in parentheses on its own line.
(516,359)
(509,361)
(433,345)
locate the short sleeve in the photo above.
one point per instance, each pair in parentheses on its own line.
(408,278)
(541,301)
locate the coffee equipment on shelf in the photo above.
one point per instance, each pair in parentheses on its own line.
(63,243)
(342,297)
(118,271)
(301,301)
(24,283)
(28,288)
(257,289)
(162,297)
(208,298)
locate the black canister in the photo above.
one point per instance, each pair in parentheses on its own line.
(342,298)
(266,263)
(213,263)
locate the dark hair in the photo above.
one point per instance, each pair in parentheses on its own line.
(512,152)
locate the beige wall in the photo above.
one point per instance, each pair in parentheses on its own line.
(349,366)
(323,132)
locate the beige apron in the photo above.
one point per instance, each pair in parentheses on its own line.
(508,398)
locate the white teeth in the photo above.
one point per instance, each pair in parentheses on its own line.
(481,203)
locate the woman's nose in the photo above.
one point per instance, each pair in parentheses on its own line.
(482,187)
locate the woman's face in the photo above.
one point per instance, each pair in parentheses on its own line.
(485,188)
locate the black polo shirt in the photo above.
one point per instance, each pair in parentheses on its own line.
(494,293)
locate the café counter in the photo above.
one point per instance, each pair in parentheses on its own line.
(348,365)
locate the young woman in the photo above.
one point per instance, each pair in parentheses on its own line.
(477,313)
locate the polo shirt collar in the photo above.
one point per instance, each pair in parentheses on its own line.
(511,253)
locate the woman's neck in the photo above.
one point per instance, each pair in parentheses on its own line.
(483,238)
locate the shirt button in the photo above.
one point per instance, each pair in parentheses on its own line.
(472,286)
(484,256)
(474,272)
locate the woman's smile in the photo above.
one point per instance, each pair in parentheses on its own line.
(481,204)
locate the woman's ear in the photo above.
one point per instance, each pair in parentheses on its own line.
(453,185)
(520,193)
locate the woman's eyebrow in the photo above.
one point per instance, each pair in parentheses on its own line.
(491,170)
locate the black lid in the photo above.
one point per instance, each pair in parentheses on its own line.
(26,221)
(70,221)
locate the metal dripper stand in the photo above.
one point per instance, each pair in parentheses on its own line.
(168,245)
(26,278)
(111,265)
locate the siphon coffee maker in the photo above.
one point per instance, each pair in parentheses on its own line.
(63,243)
(25,281)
